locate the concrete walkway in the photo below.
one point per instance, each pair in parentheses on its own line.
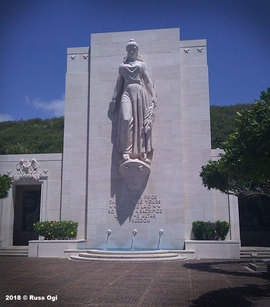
(185,283)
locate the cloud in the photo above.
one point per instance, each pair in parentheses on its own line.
(55,107)
(5,117)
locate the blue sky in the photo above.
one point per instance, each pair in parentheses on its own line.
(36,33)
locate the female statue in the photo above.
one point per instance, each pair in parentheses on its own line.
(137,97)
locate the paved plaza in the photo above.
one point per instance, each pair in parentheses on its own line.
(185,283)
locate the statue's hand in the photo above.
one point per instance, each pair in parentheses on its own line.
(154,102)
(112,107)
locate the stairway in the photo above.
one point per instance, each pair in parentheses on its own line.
(155,255)
(14,251)
(261,252)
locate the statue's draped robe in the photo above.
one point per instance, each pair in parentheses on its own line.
(135,131)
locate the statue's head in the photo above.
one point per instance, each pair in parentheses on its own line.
(132,51)
(132,45)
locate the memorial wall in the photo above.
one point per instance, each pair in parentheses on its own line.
(148,133)
(137,131)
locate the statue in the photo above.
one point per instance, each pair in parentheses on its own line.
(136,94)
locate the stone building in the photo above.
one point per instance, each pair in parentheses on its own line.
(86,183)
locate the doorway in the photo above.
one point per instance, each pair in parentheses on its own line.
(254,215)
(26,213)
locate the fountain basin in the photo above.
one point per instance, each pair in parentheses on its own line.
(131,255)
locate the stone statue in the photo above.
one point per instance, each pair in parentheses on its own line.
(136,94)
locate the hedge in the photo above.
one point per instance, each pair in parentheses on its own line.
(210,231)
(52,230)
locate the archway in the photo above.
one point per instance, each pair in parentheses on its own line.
(26,213)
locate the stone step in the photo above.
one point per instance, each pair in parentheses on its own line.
(129,252)
(103,255)
(14,248)
(258,267)
(14,251)
(176,258)
(13,255)
(128,256)
(135,252)
(257,256)
(257,252)
(261,252)
(254,248)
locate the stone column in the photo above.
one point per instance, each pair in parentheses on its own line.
(195,124)
(74,180)
(234,218)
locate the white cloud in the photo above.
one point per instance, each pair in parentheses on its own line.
(5,117)
(55,107)
(27,99)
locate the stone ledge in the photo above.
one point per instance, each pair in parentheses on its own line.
(214,249)
(53,248)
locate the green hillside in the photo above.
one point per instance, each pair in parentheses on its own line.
(46,136)
(32,136)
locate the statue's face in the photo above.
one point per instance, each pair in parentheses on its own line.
(132,52)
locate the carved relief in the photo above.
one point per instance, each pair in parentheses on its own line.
(85,56)
(73,57)
(147,209)
(135,173)
(28,170)
(193,50)
(135,99)
(135,94)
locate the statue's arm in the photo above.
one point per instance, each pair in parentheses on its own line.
(117,91)
(150,86)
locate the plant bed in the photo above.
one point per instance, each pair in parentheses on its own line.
(53,248)
(210,230)
(208,249)
(56,230)
(58,236)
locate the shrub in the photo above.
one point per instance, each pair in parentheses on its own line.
(52,230)
(209,230)
(222,229)
(5,185)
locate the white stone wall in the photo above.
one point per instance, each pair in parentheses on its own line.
(182,143)
(173,168)
(76,138)
(50,191)
(195,120)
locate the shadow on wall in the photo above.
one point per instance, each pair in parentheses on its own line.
(125,198)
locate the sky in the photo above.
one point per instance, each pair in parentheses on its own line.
(34,36)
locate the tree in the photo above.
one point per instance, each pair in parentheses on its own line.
(244,168)
(5,185)
(223,121)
